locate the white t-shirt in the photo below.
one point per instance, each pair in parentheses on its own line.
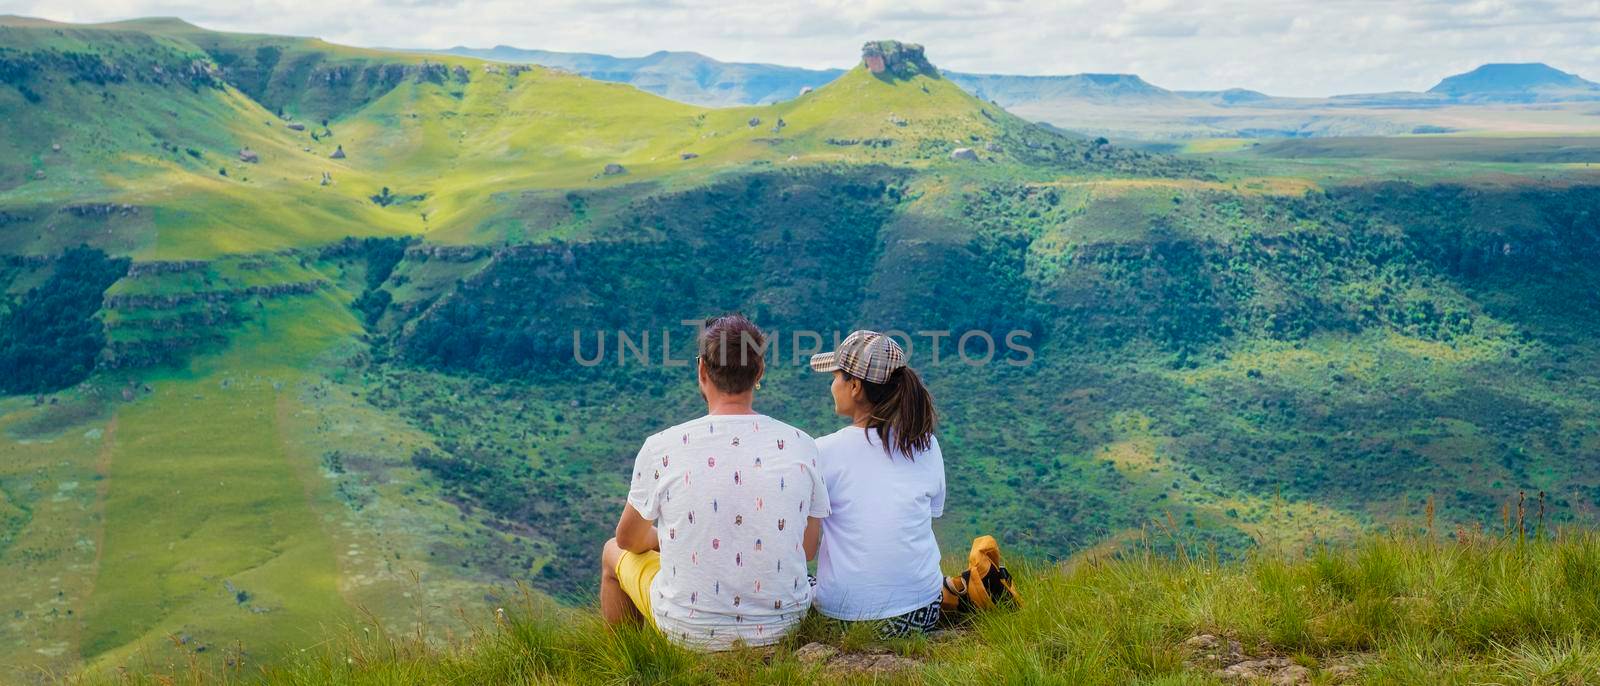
(729,495)
(879,558)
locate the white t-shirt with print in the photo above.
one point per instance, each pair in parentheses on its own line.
(879,558)
(729,495)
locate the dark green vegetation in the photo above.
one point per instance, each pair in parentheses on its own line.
(1222,351)
(49,337)
(329,382)
(1393,610)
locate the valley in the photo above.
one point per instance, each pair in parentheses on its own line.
(251,398)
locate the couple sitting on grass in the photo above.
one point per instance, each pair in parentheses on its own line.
(725,511)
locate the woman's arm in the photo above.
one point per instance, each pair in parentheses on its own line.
(813,537)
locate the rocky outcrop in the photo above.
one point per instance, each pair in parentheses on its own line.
(963,154)
(101,210)
(152,301)
(25,260)
(338,153)
(865,142)
(248,155)
(380,77)
(197,320)
(295,126)
(447,253)
(429,72)
(32,71)
(158,267)
(614,169)
(893,59)
(165,349)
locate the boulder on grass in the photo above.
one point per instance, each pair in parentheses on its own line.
(614,169)
(248,155)
(338,153)
(963,154)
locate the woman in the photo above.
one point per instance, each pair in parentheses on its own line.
(885,478)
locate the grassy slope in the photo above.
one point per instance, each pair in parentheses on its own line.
(466,146)
(1402,609)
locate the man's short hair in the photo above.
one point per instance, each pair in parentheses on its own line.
(733,349)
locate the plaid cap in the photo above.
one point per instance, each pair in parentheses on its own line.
(863,354)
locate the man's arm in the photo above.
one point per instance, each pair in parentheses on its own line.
(813,537)
(636,534)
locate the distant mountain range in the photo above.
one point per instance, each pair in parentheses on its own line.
(695,78)
(1111,104)
(1531,82)
(683,76)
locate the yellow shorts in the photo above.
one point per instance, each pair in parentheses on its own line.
(635,571)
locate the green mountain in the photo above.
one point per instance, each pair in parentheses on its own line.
(291,329)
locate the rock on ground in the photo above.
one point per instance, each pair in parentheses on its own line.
(813,653)
(1228,661)
(963,154)
(853,664)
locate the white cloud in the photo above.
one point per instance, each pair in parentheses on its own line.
(1288,47)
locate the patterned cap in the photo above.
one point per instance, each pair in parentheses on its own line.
(865,355)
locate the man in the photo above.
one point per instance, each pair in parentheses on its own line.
(722,514)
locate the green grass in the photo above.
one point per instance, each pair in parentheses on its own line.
(1462,608)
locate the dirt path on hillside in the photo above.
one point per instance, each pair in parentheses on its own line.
(282,415)
(102,468)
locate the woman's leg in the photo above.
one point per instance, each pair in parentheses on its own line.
(919,621)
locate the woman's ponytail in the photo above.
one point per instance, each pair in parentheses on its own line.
(902,412)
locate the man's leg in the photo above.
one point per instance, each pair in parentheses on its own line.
(615,605)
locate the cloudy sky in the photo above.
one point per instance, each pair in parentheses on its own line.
(1285,47)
